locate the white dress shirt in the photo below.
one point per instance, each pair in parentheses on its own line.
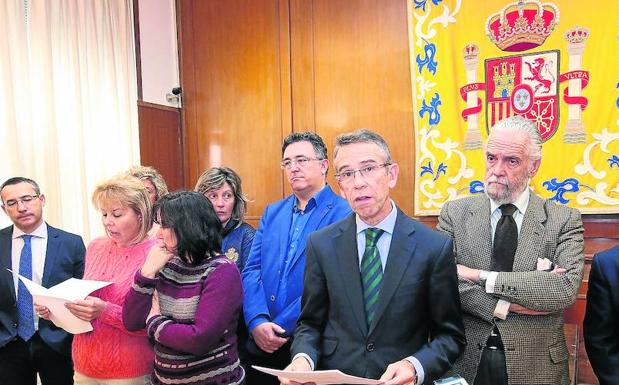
(502,307)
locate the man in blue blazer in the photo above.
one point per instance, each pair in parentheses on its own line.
(273,274)
(29,344)
(380,297)
(601,325)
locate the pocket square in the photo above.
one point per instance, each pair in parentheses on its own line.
(544,264)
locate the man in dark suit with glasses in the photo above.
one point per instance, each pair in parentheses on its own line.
(30,345)
(372,282)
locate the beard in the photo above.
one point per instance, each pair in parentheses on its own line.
(509,191)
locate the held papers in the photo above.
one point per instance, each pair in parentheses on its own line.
(55,297)
(319,377)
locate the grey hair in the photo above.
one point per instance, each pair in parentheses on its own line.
(151,174)
(516,124)
(362,135)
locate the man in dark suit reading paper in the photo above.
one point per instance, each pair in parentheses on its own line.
(369,306)
(30,345)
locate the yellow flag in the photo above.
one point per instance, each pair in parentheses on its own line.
(555,63)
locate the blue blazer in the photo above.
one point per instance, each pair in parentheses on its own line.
(601,325)
(64,259)
(261,275)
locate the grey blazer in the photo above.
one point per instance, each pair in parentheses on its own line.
(535,348)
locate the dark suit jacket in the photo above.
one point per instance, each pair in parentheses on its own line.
(64,259)
(601,325)
(418,311)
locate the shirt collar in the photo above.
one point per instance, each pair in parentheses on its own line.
(521,203)
(39,232)
(387,224)
(312,202)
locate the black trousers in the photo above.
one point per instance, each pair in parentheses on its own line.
(20,361)
(276,360)
(492,369)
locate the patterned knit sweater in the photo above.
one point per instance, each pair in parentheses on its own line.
(194,337)
(110,351)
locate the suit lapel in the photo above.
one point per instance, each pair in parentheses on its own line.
(348,262)
(50,255)
(317,215)
(480,232)
(285,218)
(530,236)
(401,253)
(6,261)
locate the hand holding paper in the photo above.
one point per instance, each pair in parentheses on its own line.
(319,377)
(298,364)
(55,298)
(87,309)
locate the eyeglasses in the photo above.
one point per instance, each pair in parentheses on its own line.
(26,199)
(300,161)
(368,171)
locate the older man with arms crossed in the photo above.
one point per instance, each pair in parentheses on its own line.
(380,296)
(48,256)
(520,261)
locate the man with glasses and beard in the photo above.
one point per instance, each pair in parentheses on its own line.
(273,274)
(520,261)
(48,256)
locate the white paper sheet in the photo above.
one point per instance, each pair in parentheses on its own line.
(319,377)
(55,297)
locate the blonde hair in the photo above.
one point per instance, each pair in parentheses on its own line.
(151,174)
(130,192)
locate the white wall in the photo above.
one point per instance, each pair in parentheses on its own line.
(159,51)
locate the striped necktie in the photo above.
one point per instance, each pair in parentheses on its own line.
(25,316)
(371,273)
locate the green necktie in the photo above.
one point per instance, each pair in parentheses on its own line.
(371,272)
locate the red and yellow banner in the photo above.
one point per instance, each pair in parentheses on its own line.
(555,63)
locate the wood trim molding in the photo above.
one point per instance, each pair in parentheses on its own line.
(158,106)
(138,51)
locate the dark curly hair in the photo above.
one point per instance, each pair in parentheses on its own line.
(192,218)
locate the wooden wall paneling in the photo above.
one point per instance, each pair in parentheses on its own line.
(187,63)
(160,141)
(361,78)
(235,75)
(286,80)
(302,66)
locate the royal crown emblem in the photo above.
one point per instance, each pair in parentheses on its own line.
(577,35)
(232,254)
(522,25)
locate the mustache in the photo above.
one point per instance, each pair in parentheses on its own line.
(499,180)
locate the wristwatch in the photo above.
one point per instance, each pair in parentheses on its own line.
(483,277)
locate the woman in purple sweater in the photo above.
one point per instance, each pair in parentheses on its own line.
(188,297)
